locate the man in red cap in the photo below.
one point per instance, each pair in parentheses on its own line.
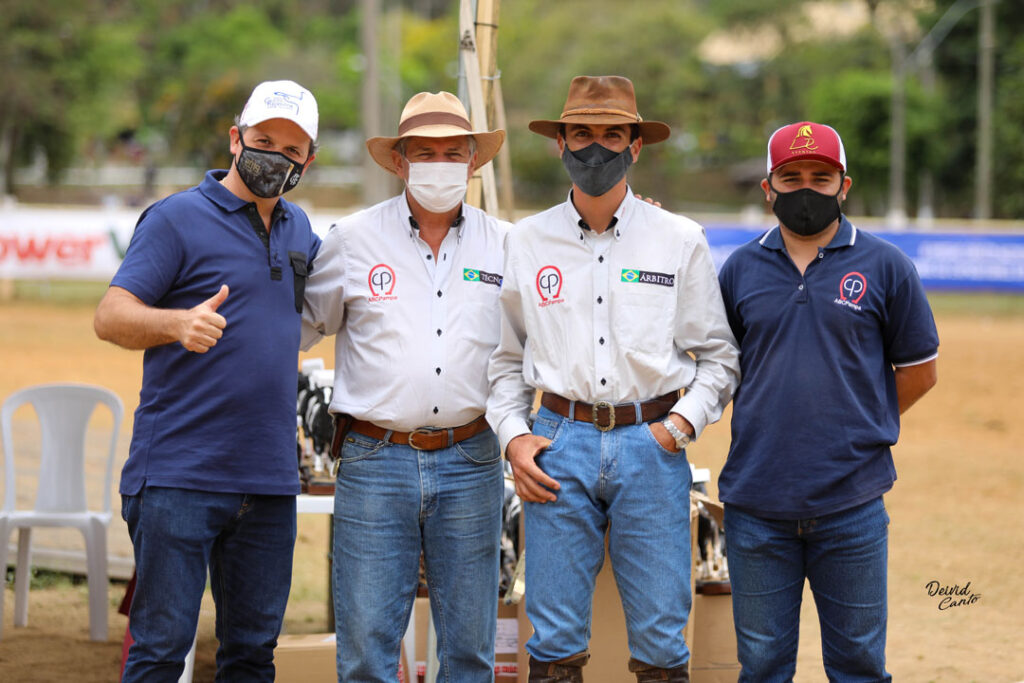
(409,287)
(836,340)
(610,307)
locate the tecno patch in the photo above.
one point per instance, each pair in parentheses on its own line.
(648,277)
(472,275)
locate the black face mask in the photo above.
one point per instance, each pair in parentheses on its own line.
(267,174)
(596,169)
(806,212)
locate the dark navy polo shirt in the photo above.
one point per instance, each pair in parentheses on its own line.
(224,420)
(816,410)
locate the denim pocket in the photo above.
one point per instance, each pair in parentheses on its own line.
(480,450)
(547,427)
(357,447)
(650,435)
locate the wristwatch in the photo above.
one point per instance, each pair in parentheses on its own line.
(682,438)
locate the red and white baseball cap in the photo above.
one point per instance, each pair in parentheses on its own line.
(282,100)
(806,140)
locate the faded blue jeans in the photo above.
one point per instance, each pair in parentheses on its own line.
(391,502)
(247,541)
(624,482)
(844,557)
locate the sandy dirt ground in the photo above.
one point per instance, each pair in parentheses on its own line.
(957,512)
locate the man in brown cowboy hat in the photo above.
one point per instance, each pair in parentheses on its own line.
(409,287)
(610,307)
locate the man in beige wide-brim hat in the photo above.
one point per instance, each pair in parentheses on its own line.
(619,306)
(410,289)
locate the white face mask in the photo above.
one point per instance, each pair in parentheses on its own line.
(438,186)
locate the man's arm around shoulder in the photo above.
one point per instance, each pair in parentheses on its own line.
(125,320)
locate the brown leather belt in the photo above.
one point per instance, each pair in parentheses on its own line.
(606,416)
(424,438)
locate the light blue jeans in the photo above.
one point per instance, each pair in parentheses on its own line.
(623,482)
(392,502)
(844,557)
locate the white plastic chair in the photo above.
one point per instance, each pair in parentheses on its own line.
(63,411)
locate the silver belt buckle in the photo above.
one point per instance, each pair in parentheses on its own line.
(611,415)
(413,433)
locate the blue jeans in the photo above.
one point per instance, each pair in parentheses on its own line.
(246,541)
(844,557)
(623,482)
(391,502)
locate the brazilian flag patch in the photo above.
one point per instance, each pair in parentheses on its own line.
(474,275)
(648,277)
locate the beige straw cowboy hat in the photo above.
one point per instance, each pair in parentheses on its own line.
(602,100)
(434,115)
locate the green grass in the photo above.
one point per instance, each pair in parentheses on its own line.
(987,304)
(63,292)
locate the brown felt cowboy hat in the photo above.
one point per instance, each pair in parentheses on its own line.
(602,100)
(434,115)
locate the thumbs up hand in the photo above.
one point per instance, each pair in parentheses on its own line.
(202,325)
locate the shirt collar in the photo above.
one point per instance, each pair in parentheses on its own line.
(226,199)
(460,220)
(846,236)
(622,213)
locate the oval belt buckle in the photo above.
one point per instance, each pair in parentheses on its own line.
(422,431)
(611,415)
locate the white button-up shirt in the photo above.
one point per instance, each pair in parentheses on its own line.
(625,315)
(414,332)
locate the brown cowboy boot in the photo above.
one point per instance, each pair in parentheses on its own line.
(568,670)
(646,673)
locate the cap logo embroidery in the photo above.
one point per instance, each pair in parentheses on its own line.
(804,140)
(283,100)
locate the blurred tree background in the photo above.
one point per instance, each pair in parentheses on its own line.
(94,82)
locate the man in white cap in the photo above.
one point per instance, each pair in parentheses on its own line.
(837,340)
(410,289)
(211,287)
(610,307)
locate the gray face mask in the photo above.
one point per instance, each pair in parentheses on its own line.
(596,169)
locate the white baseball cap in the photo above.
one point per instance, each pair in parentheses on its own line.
(282,100)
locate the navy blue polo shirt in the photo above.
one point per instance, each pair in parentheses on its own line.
(816,410)
(224,420)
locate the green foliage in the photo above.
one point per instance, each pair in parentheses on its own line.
(81,75)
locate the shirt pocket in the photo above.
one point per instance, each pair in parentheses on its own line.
(642,320)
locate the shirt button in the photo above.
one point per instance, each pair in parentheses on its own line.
(600,300)
(601,340)
(603,381)
(437,370)
(430,256)
(439,332)
(439,294)
(800,287)
(821,254)
(435,410)
(600,259)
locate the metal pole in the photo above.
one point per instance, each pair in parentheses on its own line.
(897,215)
(373,183)
(986,68)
